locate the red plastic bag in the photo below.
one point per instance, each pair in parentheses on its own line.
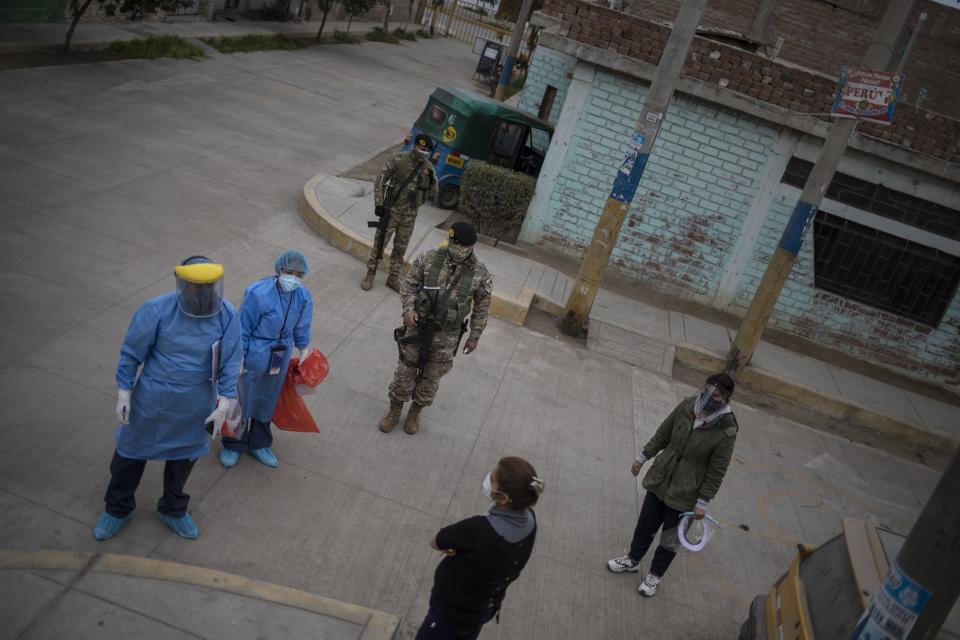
(291,413)
(312,370)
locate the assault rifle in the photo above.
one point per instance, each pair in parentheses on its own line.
(423,338)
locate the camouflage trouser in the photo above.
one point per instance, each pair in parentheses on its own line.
(399,229)
(405,384)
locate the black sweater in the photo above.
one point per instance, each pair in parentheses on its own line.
(467,585)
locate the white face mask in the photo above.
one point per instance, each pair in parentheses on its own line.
(487,487)
(289,282)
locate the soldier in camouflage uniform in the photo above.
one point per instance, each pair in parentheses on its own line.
(413,175)
(445,286)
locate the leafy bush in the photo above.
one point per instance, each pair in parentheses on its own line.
(379,35)
(494,198)
(423,33)
(234,44)
(345,38)
(404,35)
(166,46)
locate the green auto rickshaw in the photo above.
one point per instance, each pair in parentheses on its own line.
(465,125)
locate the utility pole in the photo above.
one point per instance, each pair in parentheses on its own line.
(760,29)
(605,235)
(515,41)
(921,586)
(878,56)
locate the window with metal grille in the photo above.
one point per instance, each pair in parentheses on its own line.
(883,270)
(881,200)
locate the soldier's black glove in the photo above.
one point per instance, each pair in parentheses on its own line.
(379,211)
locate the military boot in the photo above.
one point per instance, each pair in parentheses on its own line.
(389,421)
(393,282)
(367,282)
(412,424)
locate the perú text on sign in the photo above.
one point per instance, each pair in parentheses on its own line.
(871,95)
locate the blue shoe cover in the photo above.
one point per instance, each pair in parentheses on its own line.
(184,526)
(108,526)
(229,457)
(265,456)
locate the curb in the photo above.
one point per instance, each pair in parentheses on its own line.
(765,383)
(378,625)
(507,308)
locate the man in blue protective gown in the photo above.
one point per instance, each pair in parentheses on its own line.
(188,342)
(275,315)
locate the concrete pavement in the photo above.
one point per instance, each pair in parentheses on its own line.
(112,173)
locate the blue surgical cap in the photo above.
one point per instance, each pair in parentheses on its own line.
(292,260)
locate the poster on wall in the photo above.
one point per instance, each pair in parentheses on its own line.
(871,95)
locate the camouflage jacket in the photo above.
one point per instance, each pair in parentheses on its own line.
(395,170)
(450,275)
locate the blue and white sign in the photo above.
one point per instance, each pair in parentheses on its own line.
(894,609)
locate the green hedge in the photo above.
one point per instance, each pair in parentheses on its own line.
(494,198)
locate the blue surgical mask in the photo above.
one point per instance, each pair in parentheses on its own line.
(288,282)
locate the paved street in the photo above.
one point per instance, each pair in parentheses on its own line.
(112,173)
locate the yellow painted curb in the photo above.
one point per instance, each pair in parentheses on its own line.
(347,240)
(761,381)
(378,625)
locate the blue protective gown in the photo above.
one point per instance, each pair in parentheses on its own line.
(174,392)
(270,317)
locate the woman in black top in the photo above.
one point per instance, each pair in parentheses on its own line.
(483,555)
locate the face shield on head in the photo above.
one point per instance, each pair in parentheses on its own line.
(199,288)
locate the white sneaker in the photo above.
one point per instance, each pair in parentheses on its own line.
(649,586)
(622,564)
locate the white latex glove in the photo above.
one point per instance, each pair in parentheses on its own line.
(304,353)
(123,405)
(219,415)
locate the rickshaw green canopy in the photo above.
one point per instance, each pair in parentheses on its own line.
(466,121)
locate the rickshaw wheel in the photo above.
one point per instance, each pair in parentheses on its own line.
(448,196)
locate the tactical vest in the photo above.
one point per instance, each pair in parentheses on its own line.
(450,312)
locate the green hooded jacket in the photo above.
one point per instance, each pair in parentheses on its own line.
(691,463)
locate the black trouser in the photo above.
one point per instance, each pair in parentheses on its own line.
(258,436)
(654,514)
(125,474)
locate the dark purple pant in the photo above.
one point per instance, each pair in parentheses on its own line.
(436,628)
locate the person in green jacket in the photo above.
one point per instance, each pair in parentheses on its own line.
(693,448)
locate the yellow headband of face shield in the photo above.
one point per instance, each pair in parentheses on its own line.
(204,273)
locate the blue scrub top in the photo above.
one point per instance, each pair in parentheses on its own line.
(174,392)
(269,318)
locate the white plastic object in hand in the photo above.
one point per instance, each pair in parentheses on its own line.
(123,405)
(686,520)
(219,415)
(304,353)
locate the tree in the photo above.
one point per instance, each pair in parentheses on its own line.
(386,13)
(111,7)
(356,8)
(325,7)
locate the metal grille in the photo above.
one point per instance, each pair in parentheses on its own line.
(882,270)
(882,201)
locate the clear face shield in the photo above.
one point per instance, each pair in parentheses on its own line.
(199,300)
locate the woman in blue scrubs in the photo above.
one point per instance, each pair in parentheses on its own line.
(276,313)
(188,342)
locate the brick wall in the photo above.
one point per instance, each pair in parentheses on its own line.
(824,35)
(863,331)
(548,68)
(703,177)
(750,74)
(687,214)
